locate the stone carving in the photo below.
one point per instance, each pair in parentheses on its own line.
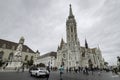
(17,58)
(18,53)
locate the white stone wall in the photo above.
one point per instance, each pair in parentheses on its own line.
(8,51)
(48,61)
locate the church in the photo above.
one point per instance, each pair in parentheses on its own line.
(71,54)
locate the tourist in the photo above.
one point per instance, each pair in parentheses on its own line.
(61,69)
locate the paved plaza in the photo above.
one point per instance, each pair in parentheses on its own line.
(56,76)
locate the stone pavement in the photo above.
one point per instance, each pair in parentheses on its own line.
(54,75)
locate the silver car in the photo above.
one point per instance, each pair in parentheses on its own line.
(39,72)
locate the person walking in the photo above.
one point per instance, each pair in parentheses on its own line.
(61,69)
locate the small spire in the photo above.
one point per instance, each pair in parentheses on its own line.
(61,44)
(86,44)
(38,52)
(70,12)
(62,41)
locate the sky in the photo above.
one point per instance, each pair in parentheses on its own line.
(43,23)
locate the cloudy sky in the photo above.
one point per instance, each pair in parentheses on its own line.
(42,23)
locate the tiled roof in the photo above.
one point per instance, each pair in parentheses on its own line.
(48,54)
(10,44)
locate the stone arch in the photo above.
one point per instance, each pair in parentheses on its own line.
(1,55)
(10,56)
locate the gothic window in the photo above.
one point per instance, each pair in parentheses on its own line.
(63,55)
(1,55)
(26,57)
(10,56)
(94,59)
(83,54)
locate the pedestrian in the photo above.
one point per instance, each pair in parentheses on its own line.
(48,68)
(61,69)
(23,69)
(86,71)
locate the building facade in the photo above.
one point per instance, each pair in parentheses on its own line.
(49,59)
(71,54)
(8,49)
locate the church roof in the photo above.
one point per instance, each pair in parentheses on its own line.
(10,45)
(54,54)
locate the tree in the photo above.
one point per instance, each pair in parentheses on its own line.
(41,65)
(106,64)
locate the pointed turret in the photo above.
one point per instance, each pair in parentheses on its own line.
(70,12)
(86,44)
(62,43)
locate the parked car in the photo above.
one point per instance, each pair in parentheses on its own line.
(39,72)
(32,68)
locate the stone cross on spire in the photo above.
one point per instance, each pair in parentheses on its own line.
(86,44)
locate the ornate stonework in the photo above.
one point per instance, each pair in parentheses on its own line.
(71,54)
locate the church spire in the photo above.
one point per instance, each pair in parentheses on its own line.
(62,43)
(86,44)
(70,12)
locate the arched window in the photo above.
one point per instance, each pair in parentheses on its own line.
(63,55)
(26,57)
(31,57)
(83,54)
(10,56)
(1,55)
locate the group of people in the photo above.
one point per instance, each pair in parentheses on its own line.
(84,70)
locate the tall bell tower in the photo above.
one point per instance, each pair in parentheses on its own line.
(71,30)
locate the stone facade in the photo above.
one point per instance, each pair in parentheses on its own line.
(49,59)
(72,54)
(8,49)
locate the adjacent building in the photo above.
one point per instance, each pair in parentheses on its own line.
(8,48)
(49,59)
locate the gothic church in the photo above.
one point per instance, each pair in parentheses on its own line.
(71,54)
